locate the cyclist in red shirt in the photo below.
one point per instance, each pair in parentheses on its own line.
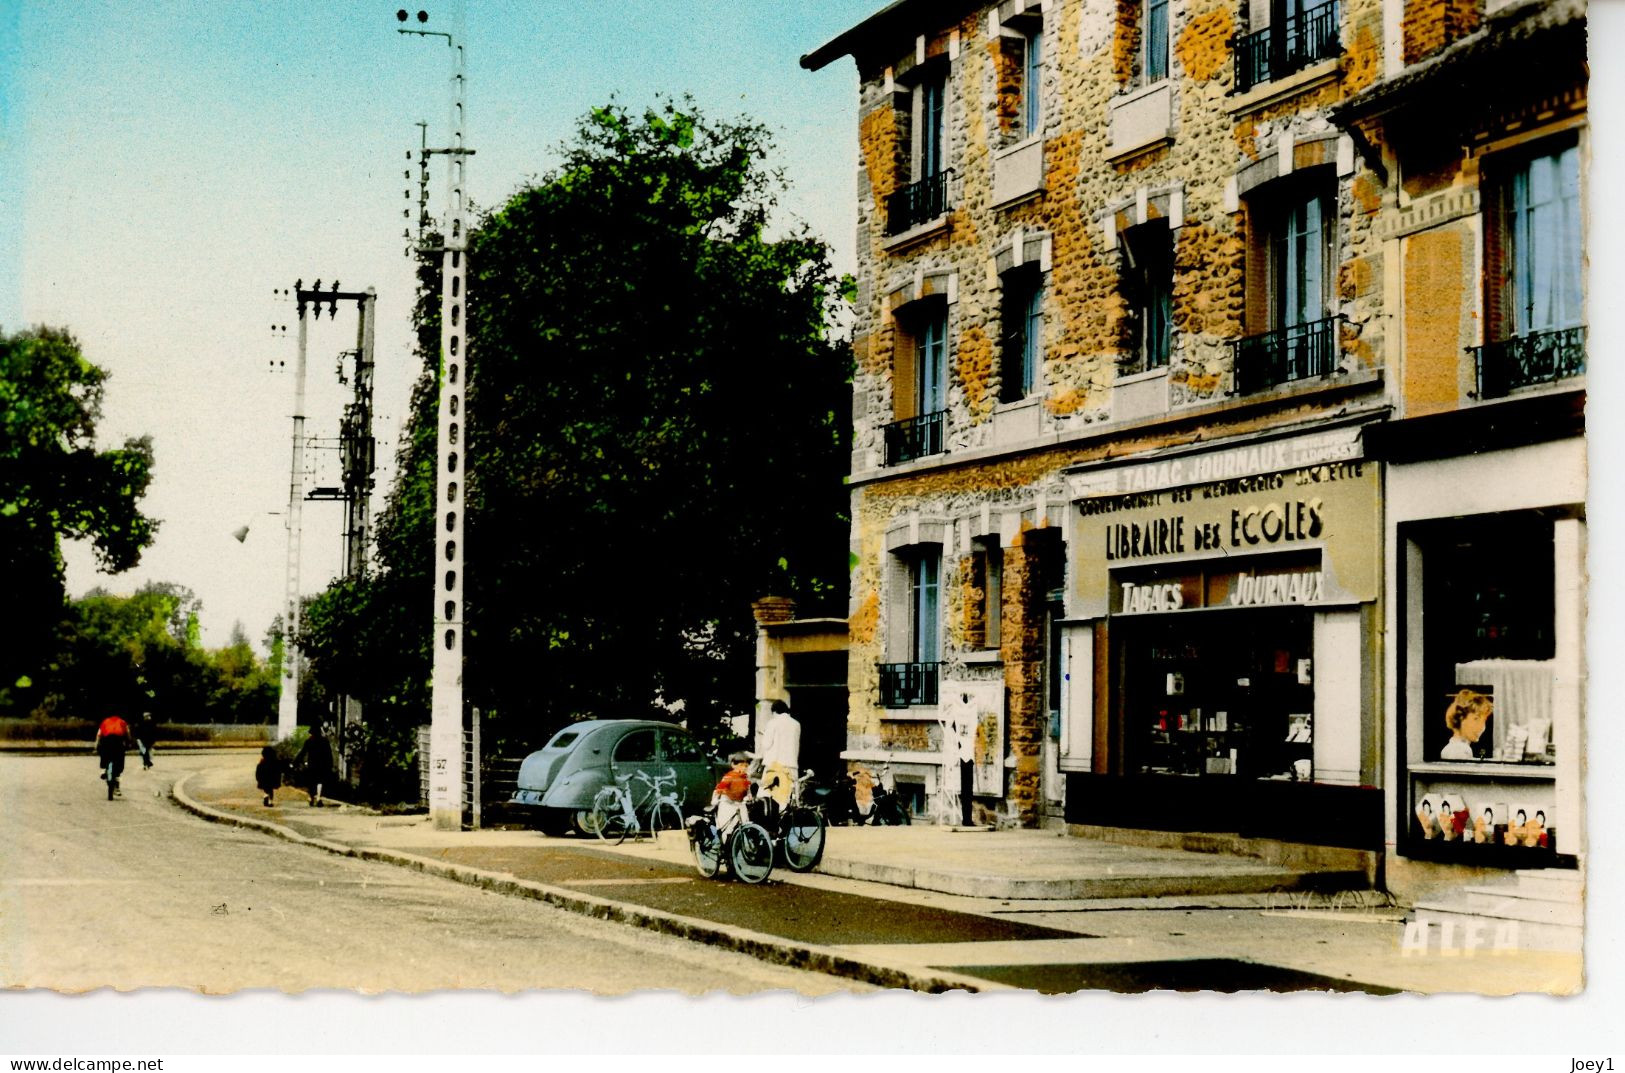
(112,738)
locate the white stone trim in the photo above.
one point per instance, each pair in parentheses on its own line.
(1345,156)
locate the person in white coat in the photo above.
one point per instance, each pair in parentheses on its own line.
(778,747)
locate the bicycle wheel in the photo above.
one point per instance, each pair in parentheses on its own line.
(615,829)
(707,846)
(664,817)
(750,853)
(803,839)
(606,806)
(112,782)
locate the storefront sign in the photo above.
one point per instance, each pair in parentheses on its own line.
(1300,452)
(1310,535)
(1300,583)
(1272,590)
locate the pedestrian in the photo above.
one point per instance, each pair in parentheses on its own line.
(112,738)
(268,773)
(778,747)
(315,764)
(143,729)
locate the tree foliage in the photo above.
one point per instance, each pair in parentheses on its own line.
(56,484)
(656,438)
(142,653)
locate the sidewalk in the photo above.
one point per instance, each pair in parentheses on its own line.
(936,909)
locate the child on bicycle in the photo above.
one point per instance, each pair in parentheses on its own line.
(732,791)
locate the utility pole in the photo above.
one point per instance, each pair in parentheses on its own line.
(446,706)
(288,702)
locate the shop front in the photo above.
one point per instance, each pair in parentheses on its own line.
(1220,645)
(1487,615)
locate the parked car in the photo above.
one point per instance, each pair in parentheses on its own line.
(557,783)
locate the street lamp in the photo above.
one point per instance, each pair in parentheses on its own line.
(446,706)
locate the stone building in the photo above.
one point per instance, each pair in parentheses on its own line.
(1130,277)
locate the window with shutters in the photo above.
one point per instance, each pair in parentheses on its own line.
(919,382)
(1534,258)
(1291,270)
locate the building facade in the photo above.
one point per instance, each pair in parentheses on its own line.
(1132,280)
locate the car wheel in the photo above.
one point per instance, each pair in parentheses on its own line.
(585,821)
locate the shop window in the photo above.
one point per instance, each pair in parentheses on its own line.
(917,630)
(1488,642)
(1291,270)
(1148,288)
(1228,694)
(919,383)
(1022,332)
(1534,270)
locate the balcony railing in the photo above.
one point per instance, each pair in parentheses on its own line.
(1526,360)
(1286,354)
(1277,51)
(914,437)
(906,684)
(918,203)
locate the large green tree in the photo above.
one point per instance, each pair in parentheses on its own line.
(657,416)
(56,484)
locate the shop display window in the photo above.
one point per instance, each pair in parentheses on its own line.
(1488,643)
(1222,695)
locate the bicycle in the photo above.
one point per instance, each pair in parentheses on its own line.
(614,813)
(746,846)
(109,774)
(799,830)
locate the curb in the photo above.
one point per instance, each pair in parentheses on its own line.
(759,945)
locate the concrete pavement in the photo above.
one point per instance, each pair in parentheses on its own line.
(937,909)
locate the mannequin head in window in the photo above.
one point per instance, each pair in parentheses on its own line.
(1466,718)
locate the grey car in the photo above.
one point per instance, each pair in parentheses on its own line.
(558,782)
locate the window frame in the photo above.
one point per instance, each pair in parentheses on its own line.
(1287,242)
(1032,80)
(924,641)
(930,125)
(1151,57)
(929,338)
(1021,328)
(1148,282)
(1512,175)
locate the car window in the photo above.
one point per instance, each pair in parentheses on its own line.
(563,738)
(680,748)
(636,747)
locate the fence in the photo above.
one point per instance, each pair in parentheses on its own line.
(488,781)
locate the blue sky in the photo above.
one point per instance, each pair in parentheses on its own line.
(167,165)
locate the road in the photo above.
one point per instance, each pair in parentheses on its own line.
(135,893)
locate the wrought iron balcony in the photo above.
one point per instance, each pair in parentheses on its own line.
(1526,360)
(914,437)
(1277,51)
(918,203)
(1285,354)
(906,684)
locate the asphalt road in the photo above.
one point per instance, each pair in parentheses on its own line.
(135,893)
